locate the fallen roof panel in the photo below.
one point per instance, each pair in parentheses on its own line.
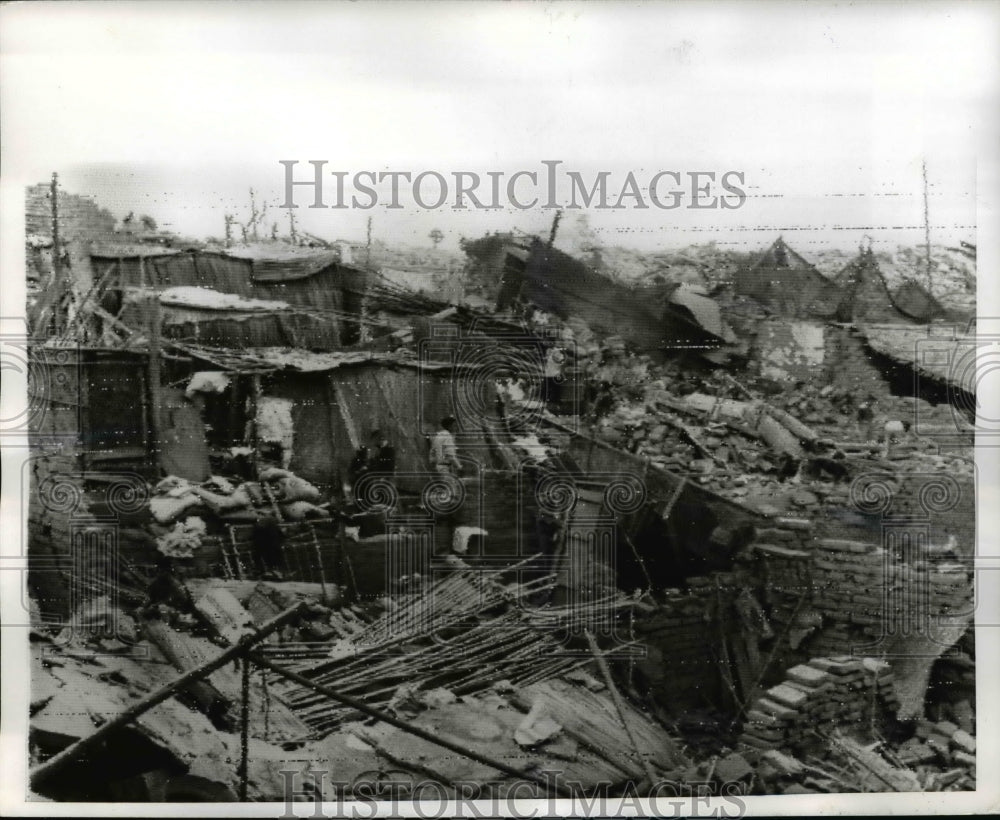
(948,358)
(277,262)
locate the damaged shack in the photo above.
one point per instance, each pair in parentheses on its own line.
(287,517)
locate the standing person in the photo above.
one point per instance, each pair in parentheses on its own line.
(444,454)
(553,376)
(382,459)
(377,456)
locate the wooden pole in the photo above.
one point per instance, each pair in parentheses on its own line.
(616,698)
(71,326)
(256,393)
(423,734)
(368,246)
(56,763)
(927,227)
(56,253)
(244,770)
(153,373)
(319,565)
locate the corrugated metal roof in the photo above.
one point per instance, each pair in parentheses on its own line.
(129,250)
(705,311)
(278,262)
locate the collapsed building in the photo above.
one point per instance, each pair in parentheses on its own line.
(652,564)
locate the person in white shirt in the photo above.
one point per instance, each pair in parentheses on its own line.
(444,455)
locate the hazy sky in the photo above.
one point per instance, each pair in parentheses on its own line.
(176,110)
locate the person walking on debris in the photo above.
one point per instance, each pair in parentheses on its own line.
(444,454)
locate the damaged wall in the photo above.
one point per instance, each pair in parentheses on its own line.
(239,329)
(335,412)
(790,350)
(849,364)
(323,296)
(831,596)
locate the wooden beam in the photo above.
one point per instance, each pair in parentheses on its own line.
(155,386)
(616,698)
(54,764)
(416,731)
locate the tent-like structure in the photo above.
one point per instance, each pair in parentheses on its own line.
(867,298)
(788,284)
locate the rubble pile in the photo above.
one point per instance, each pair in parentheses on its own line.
(785,454)
(800,621)
(829,711)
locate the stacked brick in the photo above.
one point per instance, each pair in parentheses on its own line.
(679,637)
(849,578)
(854,592)
(786,576)
(943,743)
(880,681)
(818,696)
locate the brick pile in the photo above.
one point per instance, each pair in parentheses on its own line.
(824,693)
(943,743)
(855,592)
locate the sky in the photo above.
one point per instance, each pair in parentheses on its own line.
(828,110)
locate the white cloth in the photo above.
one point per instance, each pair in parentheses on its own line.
(460,538)
(207,381)
(443,451)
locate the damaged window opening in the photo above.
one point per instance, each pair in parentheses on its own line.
(696,517)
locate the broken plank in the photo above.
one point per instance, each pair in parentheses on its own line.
(226,615)
(270,718)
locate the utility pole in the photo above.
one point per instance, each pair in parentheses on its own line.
(368,245)
(927,227)
(154,328)
(56,253)
(54,191)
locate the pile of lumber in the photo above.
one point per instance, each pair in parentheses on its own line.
(467,632)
